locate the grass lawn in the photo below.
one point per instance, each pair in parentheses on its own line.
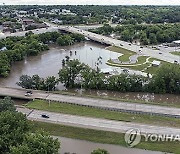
(100,113)
(175,53)
(126,53)
(102,137)
(141,60)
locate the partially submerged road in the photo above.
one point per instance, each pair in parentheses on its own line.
(94,102)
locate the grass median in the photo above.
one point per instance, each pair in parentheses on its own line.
(103,137)
(100,113)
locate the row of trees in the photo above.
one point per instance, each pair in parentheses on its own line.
(37,83)
(76,74)
(146,34)
(17,135)
(31,45)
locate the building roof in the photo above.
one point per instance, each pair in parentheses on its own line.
(156,63)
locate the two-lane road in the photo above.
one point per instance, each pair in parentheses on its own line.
(93,102)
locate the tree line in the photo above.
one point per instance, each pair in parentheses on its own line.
(118,13)
(75,75)
(145,34)
(18,48)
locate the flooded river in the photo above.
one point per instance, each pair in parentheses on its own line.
(50,62)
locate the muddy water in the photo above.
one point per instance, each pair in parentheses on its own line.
(50,62)
(137,96)
(73,146)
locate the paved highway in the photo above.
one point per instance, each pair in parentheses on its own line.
(98,103)
(107,40)
(95,123)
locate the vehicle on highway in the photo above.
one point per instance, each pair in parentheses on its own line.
(141,47)
(28,93)
(160,53)
(44,116)
(121,44)
(129,43)
(176,62)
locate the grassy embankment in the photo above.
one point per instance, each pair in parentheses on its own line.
(103,137)
(126,53)
(175,53)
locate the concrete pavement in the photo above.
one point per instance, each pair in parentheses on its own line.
(94,102)
(96,123)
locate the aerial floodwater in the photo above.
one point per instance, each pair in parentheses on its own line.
(49,63)
(86,147)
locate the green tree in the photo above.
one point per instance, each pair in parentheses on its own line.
(100,151)
(37,143)
(13,125)
(7,104)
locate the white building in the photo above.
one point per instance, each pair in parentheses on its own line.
(156,63)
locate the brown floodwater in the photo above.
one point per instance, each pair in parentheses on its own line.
(49,63)
(137,96)
(74,146)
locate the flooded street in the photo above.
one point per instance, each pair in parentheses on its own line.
(74,146)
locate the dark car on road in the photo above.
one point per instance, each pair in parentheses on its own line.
(44,116)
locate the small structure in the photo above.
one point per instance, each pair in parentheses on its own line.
(156,63)
(107,71)
(3,49)
(177,43)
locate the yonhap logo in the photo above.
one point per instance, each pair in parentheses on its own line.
(132,137)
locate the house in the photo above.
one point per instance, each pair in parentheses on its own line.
(27,21)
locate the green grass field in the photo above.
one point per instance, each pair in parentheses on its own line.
(103,137)
(126,53)
(175,53)
(100,113)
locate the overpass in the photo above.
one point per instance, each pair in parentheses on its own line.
(165,56)
(111,105)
